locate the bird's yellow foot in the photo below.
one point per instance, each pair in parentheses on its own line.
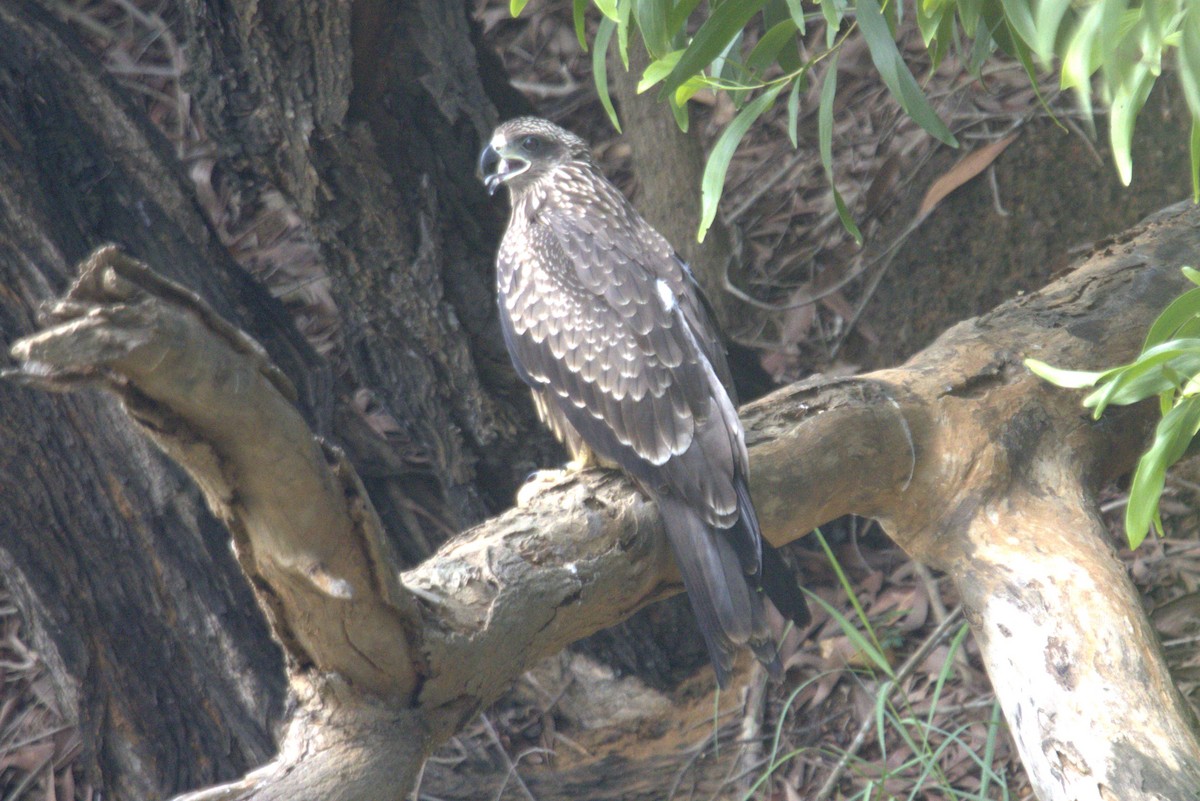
(541,480)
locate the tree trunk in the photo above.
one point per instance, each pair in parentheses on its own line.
(125,578)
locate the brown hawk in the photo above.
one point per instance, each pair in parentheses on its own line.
(609,329)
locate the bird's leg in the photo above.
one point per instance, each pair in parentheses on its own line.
(539,480)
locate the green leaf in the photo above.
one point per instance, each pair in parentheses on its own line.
(624,14)
(1068,379)
(833,12)
(600,70)
(515,7)
(726,65)
(825,117)
(1194,149)
(1128,98)
(1179,311)
(579,12)
(895,73)
(825,147)
(1189,62)
(928,19)
(1080,59)
(726,22)
(1171,439)
(608,8)
(797,12)
(1022,52)
(970,12)
(1019,17)
(1047,20)
(713,182)
(1189,77)
(651,16)
(773,13)
(679,14)
(684,93)
(981,50)
(1191,275)
(936,23)
(846,217)
(659,69)
(767,50)
(1147,375)
(680,110)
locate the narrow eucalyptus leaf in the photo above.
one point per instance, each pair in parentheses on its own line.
(726,22)
(713,182)
(600,68)
(895,73)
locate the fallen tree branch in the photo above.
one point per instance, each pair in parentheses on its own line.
(971,464)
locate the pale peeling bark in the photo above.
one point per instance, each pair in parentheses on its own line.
(1051,613)
(972,464)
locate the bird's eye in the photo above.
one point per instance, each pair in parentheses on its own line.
(531,144)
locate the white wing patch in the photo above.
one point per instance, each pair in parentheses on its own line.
(665,295)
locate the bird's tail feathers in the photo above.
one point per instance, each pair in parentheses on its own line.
(744,534)
(728,609)
(761,559)
(779,583)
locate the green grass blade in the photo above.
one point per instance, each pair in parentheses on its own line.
(944,675)
(856,638)
(875,651)
(989,750)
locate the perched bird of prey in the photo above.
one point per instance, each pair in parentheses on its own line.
(608,328)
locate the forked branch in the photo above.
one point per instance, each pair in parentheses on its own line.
(972,465)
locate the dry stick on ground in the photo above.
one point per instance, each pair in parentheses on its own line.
(970,463)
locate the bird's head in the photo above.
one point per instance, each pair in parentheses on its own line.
(526,148)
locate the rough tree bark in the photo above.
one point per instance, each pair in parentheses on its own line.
(186,687)
(972,464)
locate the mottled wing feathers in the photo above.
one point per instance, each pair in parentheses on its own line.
(607,326)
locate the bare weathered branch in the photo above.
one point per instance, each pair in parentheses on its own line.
(971,463)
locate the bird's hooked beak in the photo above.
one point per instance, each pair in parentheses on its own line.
(495,167)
